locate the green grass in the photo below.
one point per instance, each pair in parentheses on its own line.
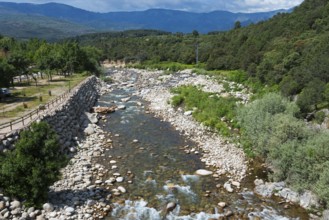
(168,66)
(31,94)
(210,109)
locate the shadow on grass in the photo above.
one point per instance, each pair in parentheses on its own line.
(60,80)
(14,99)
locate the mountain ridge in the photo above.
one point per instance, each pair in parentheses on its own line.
(158,19)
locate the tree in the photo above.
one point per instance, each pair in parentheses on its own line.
(195,33)
(311,95)
(6,73)
(33,166)
(237,25)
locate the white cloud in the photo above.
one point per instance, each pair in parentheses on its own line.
(192,5)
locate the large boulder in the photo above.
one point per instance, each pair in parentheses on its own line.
(89,130)
(325,215)
(309,200)
(104,110)
(92,117)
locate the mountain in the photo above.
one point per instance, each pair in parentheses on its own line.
(63,17)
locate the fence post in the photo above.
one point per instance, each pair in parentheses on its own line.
(23,121)
(11,126)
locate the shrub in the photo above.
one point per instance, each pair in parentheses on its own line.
(28,171)
(319,117)
(210,107)
(296,153)
(177,100)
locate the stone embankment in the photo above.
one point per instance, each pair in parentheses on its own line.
(68,117)
(74,196)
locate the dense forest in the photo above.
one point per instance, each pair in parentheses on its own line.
(288,52)
(27,57)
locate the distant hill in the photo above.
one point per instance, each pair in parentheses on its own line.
(60,20)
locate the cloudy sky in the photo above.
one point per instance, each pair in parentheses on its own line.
(187,5)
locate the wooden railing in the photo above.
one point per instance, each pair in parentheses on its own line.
(32,116)
(29,118)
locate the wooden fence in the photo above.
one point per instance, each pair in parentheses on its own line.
(27,119)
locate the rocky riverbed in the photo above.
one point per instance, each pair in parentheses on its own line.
(87,187)
(154,87)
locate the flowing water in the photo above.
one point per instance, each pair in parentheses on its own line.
(161,172)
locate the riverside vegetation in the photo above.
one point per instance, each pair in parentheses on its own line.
(27,172)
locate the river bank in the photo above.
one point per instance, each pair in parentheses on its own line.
(98,176)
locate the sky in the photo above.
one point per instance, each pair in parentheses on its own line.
(186,5)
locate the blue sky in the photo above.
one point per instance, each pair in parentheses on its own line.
(192,5)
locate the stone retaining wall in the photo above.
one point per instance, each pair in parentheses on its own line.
(68,118)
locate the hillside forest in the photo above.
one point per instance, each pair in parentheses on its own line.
(288,53)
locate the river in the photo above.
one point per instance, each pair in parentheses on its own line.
(151,155)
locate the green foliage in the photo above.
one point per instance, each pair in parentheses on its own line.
(177,100)
(209,108)
(34,164)
(287,51)
(257,120)
(319,117)
(311,95)
(24,58)
(296,153)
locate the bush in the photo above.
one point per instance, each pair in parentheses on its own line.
(177,100)
(256,120)
(296,153)
(28,171)
(319,117)
(210,108)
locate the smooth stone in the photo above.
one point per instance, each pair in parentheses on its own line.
(89,130)
(119,179)
(111,180)
(113,162)
(170,206)
(203,172)
(187,113)
(117,194)
(222,204)
(91,202)
(122,189)
(228,187)
(121,107)
(98,182)
(15,204)
(69,210)
(48,207)
(235,183)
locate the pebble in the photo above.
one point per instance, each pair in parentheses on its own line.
(203,172)
(119,179)
(122,189)
(222,204)
(48,207)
